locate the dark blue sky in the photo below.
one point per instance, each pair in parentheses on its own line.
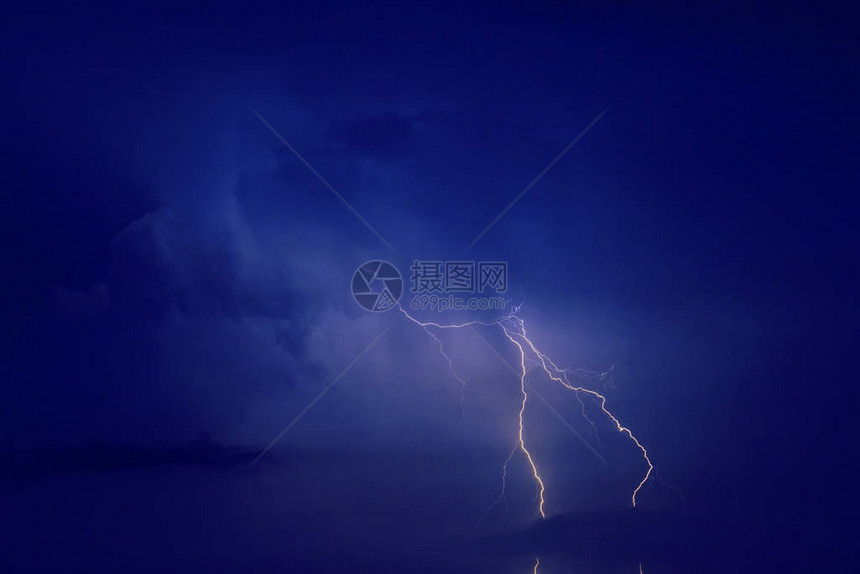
(174,271)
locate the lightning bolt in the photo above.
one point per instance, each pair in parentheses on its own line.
(513,328)
(561,376)
(462,381)
(521,441)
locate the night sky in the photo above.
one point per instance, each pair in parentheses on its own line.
(177,287)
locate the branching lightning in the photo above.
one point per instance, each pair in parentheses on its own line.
(462,381)
(561,376)
(513,328)
(520,440)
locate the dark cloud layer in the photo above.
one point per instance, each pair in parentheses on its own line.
(683,540)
